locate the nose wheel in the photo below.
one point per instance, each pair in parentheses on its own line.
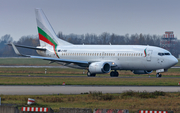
(158,75)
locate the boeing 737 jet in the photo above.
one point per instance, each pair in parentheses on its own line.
(98,59)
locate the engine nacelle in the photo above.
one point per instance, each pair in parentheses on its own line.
(40,52)
(99,67)
(142,71)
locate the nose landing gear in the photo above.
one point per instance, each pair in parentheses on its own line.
(158,75)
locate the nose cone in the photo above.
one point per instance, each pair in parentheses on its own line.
(173,61)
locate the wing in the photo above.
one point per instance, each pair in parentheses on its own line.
(29,47)
(81,63)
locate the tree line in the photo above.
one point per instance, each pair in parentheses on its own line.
(87,39)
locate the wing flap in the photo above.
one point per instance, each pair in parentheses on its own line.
(60,60)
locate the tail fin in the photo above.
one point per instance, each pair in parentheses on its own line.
(47,35)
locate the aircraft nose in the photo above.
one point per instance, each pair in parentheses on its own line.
(173,61)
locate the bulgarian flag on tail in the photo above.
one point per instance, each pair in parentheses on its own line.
(46,38)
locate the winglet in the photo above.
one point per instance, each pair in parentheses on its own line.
(16,50)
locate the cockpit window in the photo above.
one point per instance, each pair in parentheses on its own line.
(167,53)
(162,54)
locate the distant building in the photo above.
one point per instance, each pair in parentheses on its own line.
(168,41)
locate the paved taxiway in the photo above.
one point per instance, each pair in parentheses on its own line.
(41,90)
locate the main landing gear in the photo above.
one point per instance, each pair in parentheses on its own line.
(90,75)
(114,74)
(158,75)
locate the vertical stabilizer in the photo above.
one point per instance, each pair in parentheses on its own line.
(47,36)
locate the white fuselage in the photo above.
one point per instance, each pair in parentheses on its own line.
(126,57)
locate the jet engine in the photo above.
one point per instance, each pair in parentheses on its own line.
(40,52)
(142,71)
(99,67)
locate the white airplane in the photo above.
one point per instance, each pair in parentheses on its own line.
(98,59)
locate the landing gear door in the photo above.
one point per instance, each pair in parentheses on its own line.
(149,54)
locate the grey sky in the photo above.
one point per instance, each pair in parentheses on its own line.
(91,16)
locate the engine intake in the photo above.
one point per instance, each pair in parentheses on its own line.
(142,71)
(99,67)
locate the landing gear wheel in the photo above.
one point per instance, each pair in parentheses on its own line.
(114,74)
(90,75)
(158,75)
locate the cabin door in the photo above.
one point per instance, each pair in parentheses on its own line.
(102,55)
(149,54)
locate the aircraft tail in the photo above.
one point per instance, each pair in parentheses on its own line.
(47,36)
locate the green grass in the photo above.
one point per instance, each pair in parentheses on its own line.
(77,72)
(25,61)
(39,71)
(133,101)
(89,81)
(66,75)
